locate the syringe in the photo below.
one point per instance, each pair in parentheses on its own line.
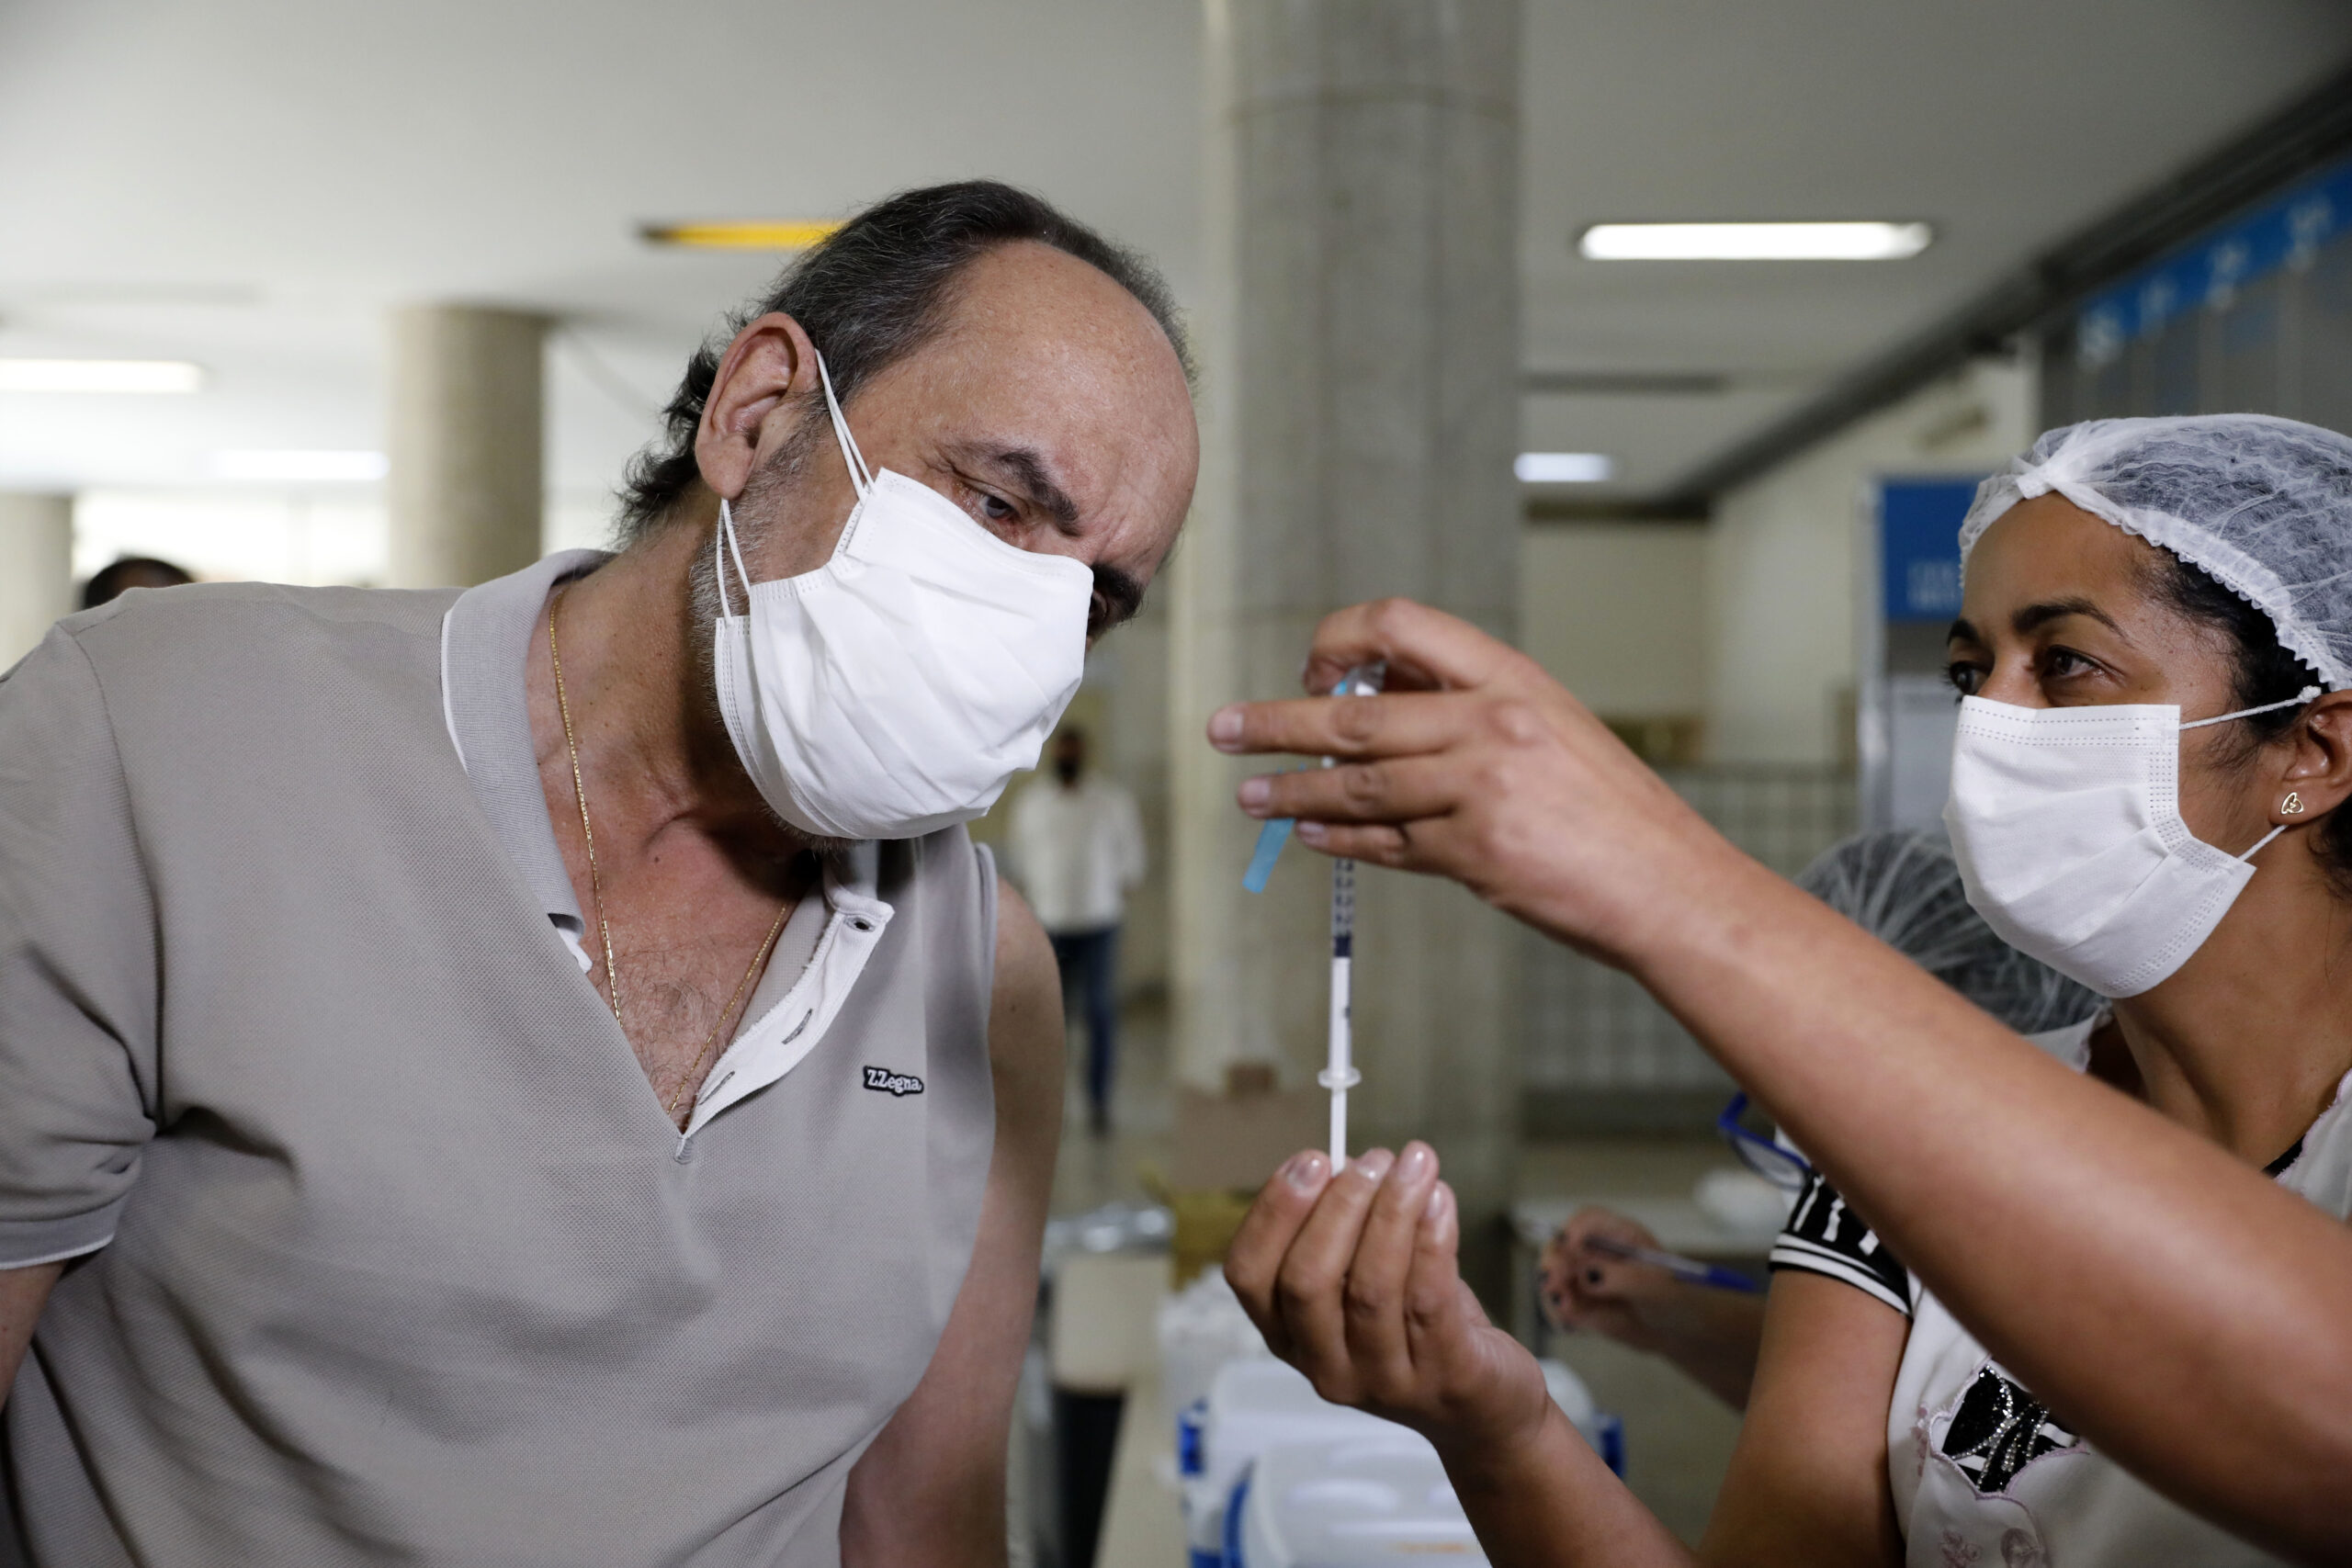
(1339,1074)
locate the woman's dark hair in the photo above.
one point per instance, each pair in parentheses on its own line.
(2265,672)
(873,293)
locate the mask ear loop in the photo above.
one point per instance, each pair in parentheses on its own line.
(860,477)
(2263,840)
(727,532)
(2306,695)
(859,474)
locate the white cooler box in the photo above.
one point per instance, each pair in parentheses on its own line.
(1259,1409)
(1374,1500)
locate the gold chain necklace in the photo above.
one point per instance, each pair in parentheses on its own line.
(693,1079)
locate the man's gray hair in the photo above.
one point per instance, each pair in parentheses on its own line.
(873,293)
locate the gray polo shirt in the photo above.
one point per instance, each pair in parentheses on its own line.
(383,1249)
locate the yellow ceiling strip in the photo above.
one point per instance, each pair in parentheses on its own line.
(759,236)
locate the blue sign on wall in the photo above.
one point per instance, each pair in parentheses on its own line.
(1918,549)
(2285,232)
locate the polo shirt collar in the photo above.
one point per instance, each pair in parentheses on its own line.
(485,648)
(485,651)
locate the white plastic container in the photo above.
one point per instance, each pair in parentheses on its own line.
(1202,1508)
(1260,1407)
(1743,1203)
(1201,1329)
(1353,1504)
(1252,1405)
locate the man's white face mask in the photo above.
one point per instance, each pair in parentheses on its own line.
(2066,825)
(895,689)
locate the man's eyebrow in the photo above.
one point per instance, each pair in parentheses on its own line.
(1122,596)
(1963,630)
(1027,469)
(2033,617)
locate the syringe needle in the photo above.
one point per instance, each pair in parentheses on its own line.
(1338,1073)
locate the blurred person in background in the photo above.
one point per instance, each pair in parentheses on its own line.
(541,1074)
(1903,888)
(1078,848)
(111,582)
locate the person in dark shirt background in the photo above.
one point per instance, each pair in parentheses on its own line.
(130,571)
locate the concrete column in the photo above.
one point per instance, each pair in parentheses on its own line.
(466,448)
(1362,409)
(35,569)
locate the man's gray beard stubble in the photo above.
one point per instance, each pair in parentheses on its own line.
(708,578)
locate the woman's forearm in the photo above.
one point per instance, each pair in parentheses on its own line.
(2184,1313)
(1717,1349)
(1551,1503)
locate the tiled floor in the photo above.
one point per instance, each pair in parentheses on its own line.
(1678,1437)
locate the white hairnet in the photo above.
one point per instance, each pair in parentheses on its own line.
(1904,889)
(2264,505)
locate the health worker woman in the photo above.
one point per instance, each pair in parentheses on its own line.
(2086,1303)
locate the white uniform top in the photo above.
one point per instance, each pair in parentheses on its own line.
(1076,851)
(1984,1474)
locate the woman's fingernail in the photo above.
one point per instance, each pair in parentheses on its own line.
(1375,1162)
(1312,832)
(1304,1172)
(1436,1205)
(1255,793)
(1224,727)
(1415,1163)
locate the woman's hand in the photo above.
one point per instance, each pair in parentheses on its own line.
(1478,766)
(1353,1281)
(1613,1296)
(1712,1334)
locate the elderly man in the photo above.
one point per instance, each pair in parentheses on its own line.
(540,1075)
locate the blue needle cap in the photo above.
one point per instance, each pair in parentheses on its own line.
(1271,840)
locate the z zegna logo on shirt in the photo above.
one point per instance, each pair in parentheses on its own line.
(882,1080)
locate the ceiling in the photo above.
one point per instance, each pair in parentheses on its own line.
(251,184)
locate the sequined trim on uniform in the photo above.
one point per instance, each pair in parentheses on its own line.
(1998,1430)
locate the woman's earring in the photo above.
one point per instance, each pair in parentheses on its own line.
(2292,805)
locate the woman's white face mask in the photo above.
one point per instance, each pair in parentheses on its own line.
(2066,826)
(895,689)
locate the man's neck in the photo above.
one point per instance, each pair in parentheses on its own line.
(2246,1042)
(651,754)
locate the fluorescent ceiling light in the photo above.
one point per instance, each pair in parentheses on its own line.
(784,235)
(309,467)
(99,375)
(1754,242)
(1565,467)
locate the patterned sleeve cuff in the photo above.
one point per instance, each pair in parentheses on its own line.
(1806,1258)
(1825,1236)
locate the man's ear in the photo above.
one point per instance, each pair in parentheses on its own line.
(768,367)
(2318,775)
